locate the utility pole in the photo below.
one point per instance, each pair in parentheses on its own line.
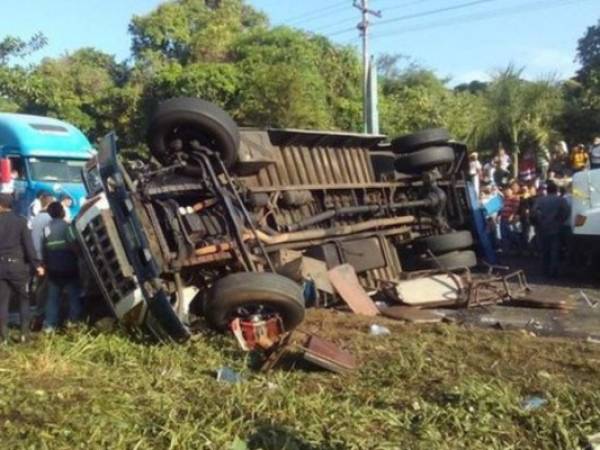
(363,27)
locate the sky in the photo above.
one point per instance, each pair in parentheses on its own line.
(461,40)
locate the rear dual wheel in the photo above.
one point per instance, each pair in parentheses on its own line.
(423,150)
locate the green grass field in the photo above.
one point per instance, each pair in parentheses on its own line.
(425,387)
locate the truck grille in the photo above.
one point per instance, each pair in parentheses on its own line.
(114,272)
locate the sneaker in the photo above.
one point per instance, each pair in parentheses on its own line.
(48,330)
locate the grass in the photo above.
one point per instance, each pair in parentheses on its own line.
(425,387)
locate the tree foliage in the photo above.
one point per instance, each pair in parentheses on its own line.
(520,112)
(582,93)
(11,47)
(226,52)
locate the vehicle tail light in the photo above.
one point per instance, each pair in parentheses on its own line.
(580,220)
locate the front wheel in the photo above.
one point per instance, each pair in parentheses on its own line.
(251,295)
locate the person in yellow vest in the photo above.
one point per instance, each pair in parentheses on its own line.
(579,158)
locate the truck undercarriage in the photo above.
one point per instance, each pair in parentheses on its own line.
(213,223)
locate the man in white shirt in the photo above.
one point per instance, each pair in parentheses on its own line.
(39,222)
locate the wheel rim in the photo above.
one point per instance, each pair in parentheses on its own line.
(254,311)
(181,137)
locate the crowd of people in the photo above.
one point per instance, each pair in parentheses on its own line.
(529,213)
(38,259)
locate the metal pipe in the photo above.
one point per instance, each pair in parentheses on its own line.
(352,210)
(334,231)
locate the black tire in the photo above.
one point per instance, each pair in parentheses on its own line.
(250,289)
(444,243)
(451,261)
(383,164)
(162,321)
(420,139)
(191,119)
(425,159)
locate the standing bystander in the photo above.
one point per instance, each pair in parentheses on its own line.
(595,154)
(63,270)
(550,212)
(508,219)
(579,158)
(17,256)
(475,171)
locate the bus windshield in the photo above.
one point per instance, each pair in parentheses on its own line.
(56,169)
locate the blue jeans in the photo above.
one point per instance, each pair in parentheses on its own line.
(55,289)
(550,246)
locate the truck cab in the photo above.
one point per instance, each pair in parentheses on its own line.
(44,154)
(585,213)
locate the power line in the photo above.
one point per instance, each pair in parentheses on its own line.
(539,5)
(419,14)
(404,5)
(309,15)
(383,10)
(434,11)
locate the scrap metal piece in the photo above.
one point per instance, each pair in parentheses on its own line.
(312,349)
(327,355)
(497,289)
(344,280)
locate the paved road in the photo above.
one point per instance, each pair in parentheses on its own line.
(583,321)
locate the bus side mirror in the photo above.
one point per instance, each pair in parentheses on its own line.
(5,172)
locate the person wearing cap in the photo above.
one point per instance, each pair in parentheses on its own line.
(595,153)
(17,258)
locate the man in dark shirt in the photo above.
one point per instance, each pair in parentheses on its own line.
(17,256)
(549,213)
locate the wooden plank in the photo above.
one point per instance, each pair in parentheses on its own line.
(344,280)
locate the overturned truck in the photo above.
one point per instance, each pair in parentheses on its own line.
(209,225)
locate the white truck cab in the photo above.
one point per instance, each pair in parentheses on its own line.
(586,209)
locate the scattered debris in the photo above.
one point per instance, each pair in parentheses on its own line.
(312,349)
(253,334)
(228,375)
(592,303)
(411,314)
(533,402)
(327,355)
(434,290)
(379,330)
(345,282)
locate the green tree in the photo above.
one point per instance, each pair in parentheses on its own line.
(414,98)
(190,31)
(82,87)
(291,79)
(520,111)
(11,47)
(581,121)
